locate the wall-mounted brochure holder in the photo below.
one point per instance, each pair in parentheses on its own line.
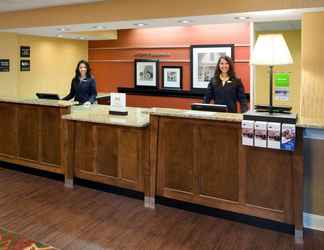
(276,131)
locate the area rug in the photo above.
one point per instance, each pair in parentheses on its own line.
(13,241)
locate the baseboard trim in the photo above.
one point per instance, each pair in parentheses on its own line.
(314,221)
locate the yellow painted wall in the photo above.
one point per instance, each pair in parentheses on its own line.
(53,63)
(8,80)
(312,86)
(293,39)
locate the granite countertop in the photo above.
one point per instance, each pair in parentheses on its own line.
(310,123)
(41,102)
(137,117)
(193,114)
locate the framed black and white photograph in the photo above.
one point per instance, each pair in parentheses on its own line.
(24,51)
(24,65)
(4,65)
(172,77)
(204,60)
(146,73)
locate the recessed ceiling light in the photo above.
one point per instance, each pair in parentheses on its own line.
(140,24)
(185,21)
(99,27)
(242,17)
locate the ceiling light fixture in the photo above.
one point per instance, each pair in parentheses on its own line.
(140,24)
(242,17)
(185,21)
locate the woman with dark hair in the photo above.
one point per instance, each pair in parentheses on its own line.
(83,85)
(225,88)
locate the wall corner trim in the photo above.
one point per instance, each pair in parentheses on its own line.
(314,221)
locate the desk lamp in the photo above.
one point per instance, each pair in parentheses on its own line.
(271,50)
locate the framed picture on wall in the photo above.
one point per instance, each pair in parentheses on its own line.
(146,73)
(24,51)
(203,62)
(24,65)
(172,77)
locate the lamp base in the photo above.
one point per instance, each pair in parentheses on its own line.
(272,109)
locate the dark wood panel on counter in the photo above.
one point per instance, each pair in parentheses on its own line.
(108,154)
(50,135)
(8,130)
(28,126)
(31,135)
(203,162)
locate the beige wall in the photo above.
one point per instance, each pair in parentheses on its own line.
(53,63)
(121,10)
(8,50)
(312,85)
(293,39)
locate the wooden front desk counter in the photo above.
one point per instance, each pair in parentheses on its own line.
(31,133)
(107,148)
(198,157)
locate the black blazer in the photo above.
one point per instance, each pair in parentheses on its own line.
(83,90)
(229,94)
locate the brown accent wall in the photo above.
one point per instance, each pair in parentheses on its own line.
(113,61)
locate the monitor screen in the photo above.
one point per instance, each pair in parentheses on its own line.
(209,107)
(48,96)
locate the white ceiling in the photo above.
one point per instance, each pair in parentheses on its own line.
(13,5)
(264,21)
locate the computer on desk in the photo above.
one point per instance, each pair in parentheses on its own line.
(209,107)
(48,96)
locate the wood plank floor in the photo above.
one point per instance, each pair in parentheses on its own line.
(42,209)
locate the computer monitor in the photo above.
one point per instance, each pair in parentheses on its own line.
(48,96)
(209,107)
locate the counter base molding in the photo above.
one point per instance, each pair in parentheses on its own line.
(108,154)
(31,135)
(203,162)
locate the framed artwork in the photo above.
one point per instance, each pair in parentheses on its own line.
(4,65)
(24,51)
(172,77)
(146,73)
(204,60)
(24,65)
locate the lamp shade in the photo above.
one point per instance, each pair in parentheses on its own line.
(271,49)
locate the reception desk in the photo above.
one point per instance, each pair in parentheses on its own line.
(190,156)
(106,148)
(31,133)
(198,157)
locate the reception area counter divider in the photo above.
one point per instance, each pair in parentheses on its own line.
(191,156)
(31,133)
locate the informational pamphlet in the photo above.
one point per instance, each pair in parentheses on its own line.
(260,134)
(274,137)
(248,132)
(288,136)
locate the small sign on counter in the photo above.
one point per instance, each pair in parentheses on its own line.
(118,104)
